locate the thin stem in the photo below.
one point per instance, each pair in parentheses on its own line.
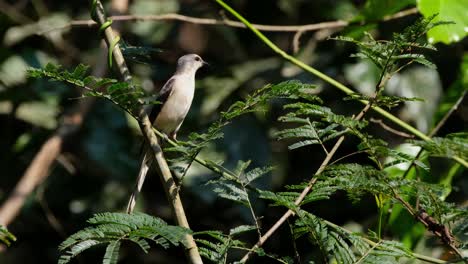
(252,212)
(441,231)
(328,79)
(367,253)
(444,119)
(296,252)
(390,129)
(181,180)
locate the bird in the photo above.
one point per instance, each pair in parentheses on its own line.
(174,101)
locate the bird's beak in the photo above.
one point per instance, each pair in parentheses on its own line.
(205,63)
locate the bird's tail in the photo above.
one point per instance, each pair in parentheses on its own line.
(144,168)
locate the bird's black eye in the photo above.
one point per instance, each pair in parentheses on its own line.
(197,58)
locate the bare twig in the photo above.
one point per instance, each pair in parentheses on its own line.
(213,22)
(299,29)
(444,119)
(37,171)
(169,185)
(403,13)
(439,230)
(296,41)
(389,129)
(53,221)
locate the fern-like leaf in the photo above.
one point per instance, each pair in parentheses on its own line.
(112,228)
(449,146)
(5,236)
(112,253)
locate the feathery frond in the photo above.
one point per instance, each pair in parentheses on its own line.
(113,228)
(6,237)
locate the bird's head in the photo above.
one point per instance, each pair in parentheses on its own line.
(190,62)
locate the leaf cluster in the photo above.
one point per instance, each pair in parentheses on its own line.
(255,102)
(404,48)
(6,237)
(113,228)
(344,247)
(123,94)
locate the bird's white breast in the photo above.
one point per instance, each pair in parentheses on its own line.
(177,105)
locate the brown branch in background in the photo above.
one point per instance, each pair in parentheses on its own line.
(213,22)
(296,41)
(389,129)
(431,224)
(230,23)
(444,119)
(37,171)
(403,13)
(51,218)
(146,127)
(39,168)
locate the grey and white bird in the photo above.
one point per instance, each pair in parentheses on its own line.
(175,99)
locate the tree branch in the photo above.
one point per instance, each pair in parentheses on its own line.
(299,29)
(37,171)
(169,185)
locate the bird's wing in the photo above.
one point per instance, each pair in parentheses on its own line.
(162,97)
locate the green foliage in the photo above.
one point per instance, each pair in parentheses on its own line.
(452,145)
(234,186)
(325,126)
(215,246)
(123,94)
(388,101)
(393,55)
(257,101)
(6,237)
(345,247)
(138,54)
(447,10)
(113,228)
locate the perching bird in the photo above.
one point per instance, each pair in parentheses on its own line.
(175,99)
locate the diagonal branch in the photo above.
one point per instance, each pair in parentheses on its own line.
(169,185)
(39,168)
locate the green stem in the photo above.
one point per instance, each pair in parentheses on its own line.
(328,79)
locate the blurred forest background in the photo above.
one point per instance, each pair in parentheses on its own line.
(93,148)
